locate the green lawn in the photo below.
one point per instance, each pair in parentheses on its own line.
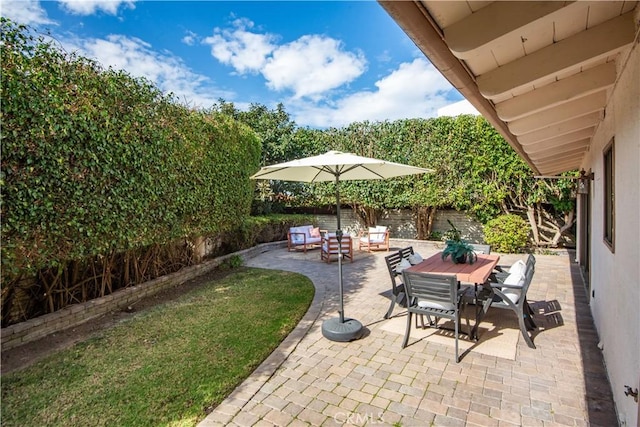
(167,365)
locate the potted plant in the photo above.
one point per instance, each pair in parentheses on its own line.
(457,248)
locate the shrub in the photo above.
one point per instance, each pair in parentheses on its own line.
(97,162)
(234,261)
(507,233)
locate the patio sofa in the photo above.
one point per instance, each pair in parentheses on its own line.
(304,237)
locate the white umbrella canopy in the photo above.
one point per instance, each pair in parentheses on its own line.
(337,166)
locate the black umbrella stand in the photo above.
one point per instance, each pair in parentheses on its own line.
(340,328)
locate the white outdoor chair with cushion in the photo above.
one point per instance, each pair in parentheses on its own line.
(510,293)
(434,295)
(518,266)
(330,247)
(374,238)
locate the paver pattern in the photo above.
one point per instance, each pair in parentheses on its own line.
(311,381)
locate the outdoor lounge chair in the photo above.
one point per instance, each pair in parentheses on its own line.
(330,247)
(434,295)
(480,248)
(397,289)
(510,293)
(375,238)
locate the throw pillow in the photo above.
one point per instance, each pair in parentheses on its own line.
(415,259)
(514,279)
(402,265)
(297,238)
(315,232)
(307,230)
(518,267)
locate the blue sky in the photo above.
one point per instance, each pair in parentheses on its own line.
(330,63)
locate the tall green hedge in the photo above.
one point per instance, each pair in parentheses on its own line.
(95,161)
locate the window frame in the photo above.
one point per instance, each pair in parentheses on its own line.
(609,217)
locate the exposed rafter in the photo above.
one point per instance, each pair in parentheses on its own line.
(585,83)
(541,72)
(577,51)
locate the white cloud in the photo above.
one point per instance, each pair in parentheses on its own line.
(89,7)
(311,66)
(27,12)
(190,38)
(168,72)
(415,89)
(245,51)
(457,108)
(308,67)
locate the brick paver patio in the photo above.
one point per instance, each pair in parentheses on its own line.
(311,381)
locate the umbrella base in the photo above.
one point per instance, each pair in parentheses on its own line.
(334,330)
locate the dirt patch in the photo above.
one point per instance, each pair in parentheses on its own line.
(27,354)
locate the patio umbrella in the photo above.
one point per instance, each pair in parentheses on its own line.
(337,166)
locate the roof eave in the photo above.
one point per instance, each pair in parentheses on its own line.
(418,25)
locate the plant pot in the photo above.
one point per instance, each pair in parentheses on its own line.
(461,259)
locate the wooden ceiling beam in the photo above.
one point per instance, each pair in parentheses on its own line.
(574,52)
(585,83)
(560,113)
(563,142)
(563,128)
(556,153)
(488,25)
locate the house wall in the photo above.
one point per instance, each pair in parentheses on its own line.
(615,276)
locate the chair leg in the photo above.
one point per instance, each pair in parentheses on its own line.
(421,320)
(391,306)
(408,331)
(466,316)
(528,313)
(456,336)
(523,329)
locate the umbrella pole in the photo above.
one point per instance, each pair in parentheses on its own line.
(341,329)
(339,237)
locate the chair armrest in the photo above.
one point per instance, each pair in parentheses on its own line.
(502,285)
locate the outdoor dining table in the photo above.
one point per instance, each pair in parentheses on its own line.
(477,274)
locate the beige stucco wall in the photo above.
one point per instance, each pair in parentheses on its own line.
(615,276)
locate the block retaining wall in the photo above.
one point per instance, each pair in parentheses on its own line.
(76,314)
(401,223)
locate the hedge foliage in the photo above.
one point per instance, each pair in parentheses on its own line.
(507,234)
(96,161)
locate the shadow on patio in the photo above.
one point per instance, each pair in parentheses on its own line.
(310,380)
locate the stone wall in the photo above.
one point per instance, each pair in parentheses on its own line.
(401,223)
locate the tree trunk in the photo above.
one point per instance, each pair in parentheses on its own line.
(368,216)
(425,216)
(531,215)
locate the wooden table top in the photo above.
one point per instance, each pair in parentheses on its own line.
(478,272)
